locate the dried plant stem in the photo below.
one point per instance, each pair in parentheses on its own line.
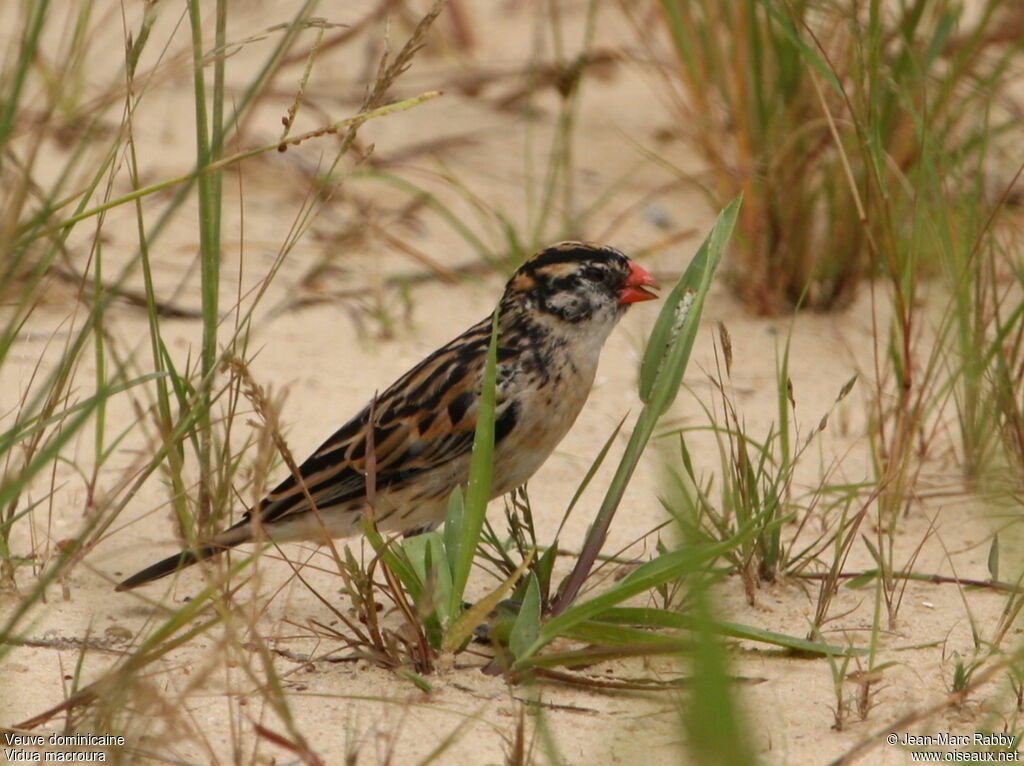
(31,234)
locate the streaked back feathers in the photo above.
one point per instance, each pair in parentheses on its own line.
(554,316)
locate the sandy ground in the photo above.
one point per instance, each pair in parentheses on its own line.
(354,333)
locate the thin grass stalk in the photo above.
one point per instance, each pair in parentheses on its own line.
(208,141)
(100,357)
(160,358)
(30,233)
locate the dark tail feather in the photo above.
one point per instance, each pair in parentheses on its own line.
(168,566)
(227,539)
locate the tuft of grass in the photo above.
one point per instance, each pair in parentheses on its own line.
(847,131)
(756,484)
(819,114)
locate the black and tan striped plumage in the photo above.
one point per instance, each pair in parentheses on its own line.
(555,314)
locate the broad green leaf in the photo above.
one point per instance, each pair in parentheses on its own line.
(664,372)
(394,558)
(862,579)
(468,621)
(527,624)
(426,555)
(668,348)
(453,526)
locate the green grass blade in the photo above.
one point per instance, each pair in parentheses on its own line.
(663,569)
(713,721)
(810,56)
(669,346)
(453,526)
(651,617)
(478,491)
(33,424)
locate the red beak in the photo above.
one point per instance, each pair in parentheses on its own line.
(633,291)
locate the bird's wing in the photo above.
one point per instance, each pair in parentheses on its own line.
(423,422)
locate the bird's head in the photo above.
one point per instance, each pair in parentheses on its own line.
(578,283)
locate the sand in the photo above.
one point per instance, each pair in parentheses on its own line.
(349,311)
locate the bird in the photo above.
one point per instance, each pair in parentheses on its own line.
(554,316)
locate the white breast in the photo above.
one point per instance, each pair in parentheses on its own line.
(547,412)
